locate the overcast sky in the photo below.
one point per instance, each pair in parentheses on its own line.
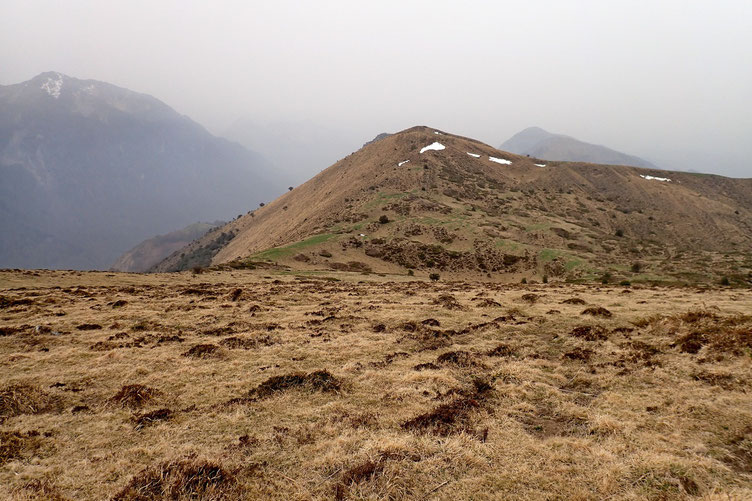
(670,81)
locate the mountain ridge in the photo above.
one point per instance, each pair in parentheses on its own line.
(470,208)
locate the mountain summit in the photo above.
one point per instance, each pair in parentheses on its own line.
(434,202)
(89,169)
(540,143)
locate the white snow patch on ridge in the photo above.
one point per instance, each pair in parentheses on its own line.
(53,86)
(437,132)
(540,165)
(402,163)
(649,178)
(500,161)
(474,155)
(433,146)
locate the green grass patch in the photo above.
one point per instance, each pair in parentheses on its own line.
(383,197)
(538,227)
(277,253)
(510,245)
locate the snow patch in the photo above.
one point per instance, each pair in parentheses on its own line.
(500,161)
(53,86)
(653,178)
(437,132)
(433,146)
(402,163)
(474,155)
(540,165)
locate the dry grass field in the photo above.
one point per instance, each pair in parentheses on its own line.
(266,385)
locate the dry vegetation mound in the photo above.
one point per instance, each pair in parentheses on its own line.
(15,445)
(454,416)
(181,481)
(134,396)
(20,399)
(317,381)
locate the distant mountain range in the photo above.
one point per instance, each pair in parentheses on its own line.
(538,143)
(88,170)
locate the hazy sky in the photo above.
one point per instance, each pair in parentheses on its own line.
(670,81)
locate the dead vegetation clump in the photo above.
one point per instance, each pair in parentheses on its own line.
(425,337)
(9,302)
(40,489)
(359,473)
(426,366)
(581,354)
(733,341)
(179,481)
(728,382)
(362,472)
(546,422)
(597,311)
(488,303)
(170,339)
(694,330)
(453,417)
(134,396)
(739,456)
(9,331)
(247,343)
(501,350)
(643,352)
(457,358)
(218,331)
(529,298)
(202,351)
(152,417)
(15,445)
(590,333)
(574,300)
(20,399)
(692,343)
(103,346)
(693,317)
(88,327)
(317,381)
(449,302)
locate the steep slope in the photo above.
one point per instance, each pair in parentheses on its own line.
(153,250)
(88,169)
(539,143)
(453,205)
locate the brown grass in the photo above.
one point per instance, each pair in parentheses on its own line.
(134,396)
(180,480)
(17,399)
(15,445)
(482,402)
